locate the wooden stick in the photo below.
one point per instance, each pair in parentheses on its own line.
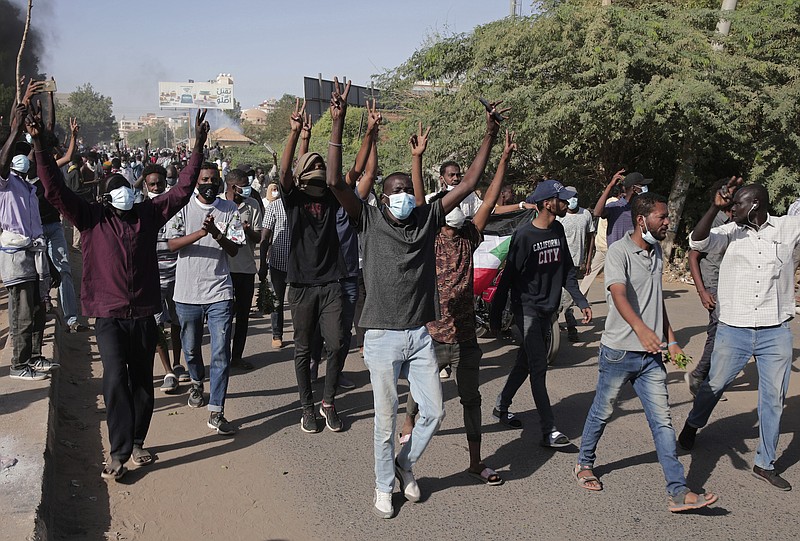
(22,48)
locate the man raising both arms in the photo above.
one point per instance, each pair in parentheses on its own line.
(400,301)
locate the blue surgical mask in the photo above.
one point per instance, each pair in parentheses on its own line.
(573,203)
(401,205)
(648,236)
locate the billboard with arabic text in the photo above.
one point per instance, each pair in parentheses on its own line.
(195,95)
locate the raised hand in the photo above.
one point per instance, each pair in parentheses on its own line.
(305,132)
(201,127)
(419,141)
(34,87)
(618,177)
(74,127)
(33,121)
(492,115)
(374,117)
(724,196)
(510,146)
(339,99)
(297,116)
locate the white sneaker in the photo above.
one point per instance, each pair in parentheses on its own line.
(408,484)
(383,504)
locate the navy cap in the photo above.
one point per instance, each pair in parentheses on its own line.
(552,188)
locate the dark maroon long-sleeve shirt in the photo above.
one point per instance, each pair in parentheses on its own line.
(120,269)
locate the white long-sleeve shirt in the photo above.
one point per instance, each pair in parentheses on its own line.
(756,277)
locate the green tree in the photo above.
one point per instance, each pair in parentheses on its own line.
(639,85)
(159,134)
(93,111)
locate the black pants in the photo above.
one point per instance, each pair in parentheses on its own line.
(313,305)
(127,347)
(278,278)
(243,289)
(26,323)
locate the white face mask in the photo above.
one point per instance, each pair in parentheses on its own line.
(275,194)
(122,198)
(642,189)
(152,195)
(455,218)
(401,205)
(573,203)
(648,236)
(448,187)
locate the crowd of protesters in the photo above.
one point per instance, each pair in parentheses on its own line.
(168,240)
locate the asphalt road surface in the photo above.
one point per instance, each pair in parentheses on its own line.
(272,481)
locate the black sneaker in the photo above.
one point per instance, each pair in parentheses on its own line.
(346,383)
(772,478)
(196,396)
(181,373)
(572,334)
(309,421)
(218,422)
(332,420)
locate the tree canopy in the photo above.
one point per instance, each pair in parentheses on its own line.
(646,86)
(93,111)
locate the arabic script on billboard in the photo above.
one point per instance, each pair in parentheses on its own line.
(195,95)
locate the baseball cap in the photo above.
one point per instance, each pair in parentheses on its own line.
(552,188)
(635,179)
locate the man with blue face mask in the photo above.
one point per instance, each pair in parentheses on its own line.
(637,331)
(579,230)
(400,276)
(121,287)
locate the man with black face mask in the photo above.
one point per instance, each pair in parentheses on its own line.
(121,290)
(204,233)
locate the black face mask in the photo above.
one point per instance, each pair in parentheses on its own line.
(208,191)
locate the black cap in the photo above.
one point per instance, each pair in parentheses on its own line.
(635,179)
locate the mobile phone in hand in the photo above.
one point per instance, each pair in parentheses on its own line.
(495,115)
(50,86)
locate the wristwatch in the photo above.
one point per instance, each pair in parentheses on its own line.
(521,205)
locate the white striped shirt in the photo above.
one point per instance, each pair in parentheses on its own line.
(275,220)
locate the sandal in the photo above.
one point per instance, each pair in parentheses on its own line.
(114,470)
(140,456)
(583,481)
(404,438)
(678,504)
(487,475)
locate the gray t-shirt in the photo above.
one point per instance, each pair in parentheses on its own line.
(709,263)
(399,267)
(202,275)
(640,270)
(577,228)
(245,260)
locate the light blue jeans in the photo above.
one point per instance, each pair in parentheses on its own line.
(219,328)
(390,355)
(59,254)
(649,378)
(733,347)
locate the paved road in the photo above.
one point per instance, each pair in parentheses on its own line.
(273,481)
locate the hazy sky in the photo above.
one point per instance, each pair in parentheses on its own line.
(125,48)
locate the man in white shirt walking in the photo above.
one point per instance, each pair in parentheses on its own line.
(756,304)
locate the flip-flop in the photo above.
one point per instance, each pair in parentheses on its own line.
(140,456)
(703,500)
(582,481)
(487,476)
(114,470)
(405,439)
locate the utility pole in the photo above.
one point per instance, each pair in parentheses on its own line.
(724,26)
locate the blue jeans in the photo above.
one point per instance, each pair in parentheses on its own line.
(219,328)
(772,349)
(390,355)
(649,378)
(531,360)
(59,254)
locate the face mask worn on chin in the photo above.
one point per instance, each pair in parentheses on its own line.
(152,195)
(573,203)
(401,205)
(121,198)
(208,191)
(448,187)
(648,236)
(455,218)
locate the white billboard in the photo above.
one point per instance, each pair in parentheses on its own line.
(195,95)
